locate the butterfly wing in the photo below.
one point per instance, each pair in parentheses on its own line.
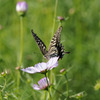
(40,43)
(55,47)
(56,38)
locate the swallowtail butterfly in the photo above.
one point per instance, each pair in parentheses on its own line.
(55,48)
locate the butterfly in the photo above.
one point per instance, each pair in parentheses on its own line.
(56,49)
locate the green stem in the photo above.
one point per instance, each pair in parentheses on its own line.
(21,50)
(45,95)
(67,86)
(54,16)
(56,3)
(48,87)
(21,46)
(60,23)
(18,78)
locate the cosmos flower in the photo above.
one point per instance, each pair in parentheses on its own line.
(21,8)
(42,67)
(42,84)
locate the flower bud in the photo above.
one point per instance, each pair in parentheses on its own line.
(21,8)
(62,70)
(18,67)
(60,18)
(3,74)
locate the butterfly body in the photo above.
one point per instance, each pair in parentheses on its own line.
(55,48)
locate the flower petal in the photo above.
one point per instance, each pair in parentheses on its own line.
(43,83)
(53,62)
(21,6)
(41,66)
(36,87)
(30,70)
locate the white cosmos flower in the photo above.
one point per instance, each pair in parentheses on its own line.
(42,67)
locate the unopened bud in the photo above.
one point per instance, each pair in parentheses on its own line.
(62,70)
(17,68)
(3,74)
(21,8)
(61,18)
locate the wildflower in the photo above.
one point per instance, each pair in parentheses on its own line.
(42,84)
(21,8)
(42,67)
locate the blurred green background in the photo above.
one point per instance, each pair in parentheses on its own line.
(80,36)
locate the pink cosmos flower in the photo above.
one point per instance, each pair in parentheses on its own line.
(42,67)
(42,84)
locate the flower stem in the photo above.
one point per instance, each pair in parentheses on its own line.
(60,23)
(21,46)
(18,78)
(54,16)
(48,87)
(44,95)
(54,20)
(21,50)
(67,86)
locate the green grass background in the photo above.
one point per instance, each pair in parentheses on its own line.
(80,36)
